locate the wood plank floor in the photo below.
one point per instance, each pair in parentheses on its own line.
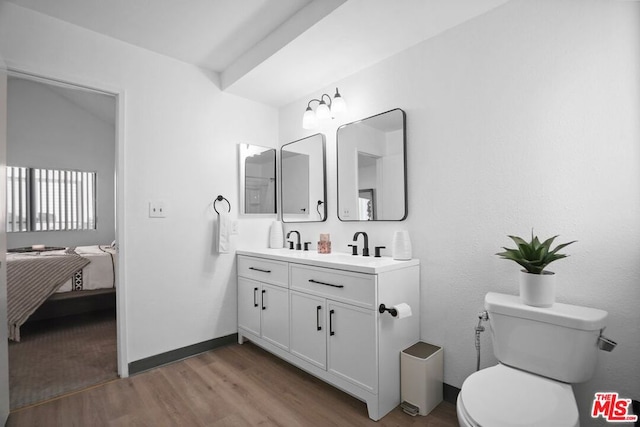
(237,385)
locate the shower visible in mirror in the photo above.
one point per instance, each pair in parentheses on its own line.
(372,174)
(303,180)
(257,179)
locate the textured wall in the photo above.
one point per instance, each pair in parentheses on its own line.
(180,136)
(526,117)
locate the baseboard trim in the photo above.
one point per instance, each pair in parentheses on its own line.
(179,354)
(450,393)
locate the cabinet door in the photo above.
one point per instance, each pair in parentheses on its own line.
(274,308)
(308,328)
(249,305)
(352,344)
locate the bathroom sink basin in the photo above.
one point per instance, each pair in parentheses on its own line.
(337,260)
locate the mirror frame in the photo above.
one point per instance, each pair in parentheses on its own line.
(242,183)
(404,152)
(324,181)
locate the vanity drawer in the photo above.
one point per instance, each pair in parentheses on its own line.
(352,288)
(264,270)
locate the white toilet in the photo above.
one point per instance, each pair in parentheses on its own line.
(542,351)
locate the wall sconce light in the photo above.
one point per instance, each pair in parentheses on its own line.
(323,111)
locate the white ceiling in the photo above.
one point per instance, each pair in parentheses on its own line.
(272,51)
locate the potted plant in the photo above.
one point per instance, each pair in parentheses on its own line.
(537,285)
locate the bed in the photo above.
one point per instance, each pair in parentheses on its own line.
(35,278)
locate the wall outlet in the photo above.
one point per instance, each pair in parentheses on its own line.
(157,209)
(234,227)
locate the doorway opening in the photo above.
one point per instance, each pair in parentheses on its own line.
(61,221)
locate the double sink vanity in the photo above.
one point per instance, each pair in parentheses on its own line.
(320,312)
(333,315)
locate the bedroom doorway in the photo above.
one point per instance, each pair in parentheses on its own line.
(64,140)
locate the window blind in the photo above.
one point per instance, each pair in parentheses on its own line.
(51,199)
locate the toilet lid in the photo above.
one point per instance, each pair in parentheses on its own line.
(504,396)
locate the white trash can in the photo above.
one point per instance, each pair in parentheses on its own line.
(421,377)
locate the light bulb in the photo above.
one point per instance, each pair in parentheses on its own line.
(309,120)
(338,105)
(323,112)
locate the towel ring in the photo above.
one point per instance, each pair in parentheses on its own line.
(219,199)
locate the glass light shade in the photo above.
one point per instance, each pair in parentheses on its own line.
(338,105)
(323,112)
(309,120)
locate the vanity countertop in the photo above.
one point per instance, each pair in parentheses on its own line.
(336,260)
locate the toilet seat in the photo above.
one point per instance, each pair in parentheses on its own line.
(503,396)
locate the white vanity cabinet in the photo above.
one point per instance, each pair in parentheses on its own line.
(263,308)
(309,337)
(349,338)
(333,326)
(336,337)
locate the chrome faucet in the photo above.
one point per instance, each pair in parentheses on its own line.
(365,249)
(298,245)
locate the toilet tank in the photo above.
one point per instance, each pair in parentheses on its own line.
(559,342)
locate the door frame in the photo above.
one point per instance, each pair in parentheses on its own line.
(119,95)
(4,342)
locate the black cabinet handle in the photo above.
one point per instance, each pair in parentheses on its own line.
(263,306)
(326,284)
(318,317)
(331,332)
(255,297)
(260,270)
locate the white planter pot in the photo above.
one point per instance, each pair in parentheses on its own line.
(538,290)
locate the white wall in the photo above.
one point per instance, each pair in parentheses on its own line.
(180,136)
(526,117)
(47,130)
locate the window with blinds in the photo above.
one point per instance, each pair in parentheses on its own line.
(50,200)
(18,206)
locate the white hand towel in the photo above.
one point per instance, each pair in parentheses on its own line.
(223,232)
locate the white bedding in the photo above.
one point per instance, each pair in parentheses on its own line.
(98,274)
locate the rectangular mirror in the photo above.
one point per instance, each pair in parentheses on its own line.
(303,180)
(257,179)
(372,173)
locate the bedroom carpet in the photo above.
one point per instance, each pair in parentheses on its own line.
(58,356)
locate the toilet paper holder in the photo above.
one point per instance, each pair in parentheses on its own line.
(392,311)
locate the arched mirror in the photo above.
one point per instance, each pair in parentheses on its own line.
(372,173)
(303,180)
(257,179)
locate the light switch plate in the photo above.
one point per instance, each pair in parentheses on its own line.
(234,227)
(157,209)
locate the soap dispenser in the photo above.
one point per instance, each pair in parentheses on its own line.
(276,235)
(401,247)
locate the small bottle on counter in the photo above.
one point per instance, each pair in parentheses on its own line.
(324,245)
